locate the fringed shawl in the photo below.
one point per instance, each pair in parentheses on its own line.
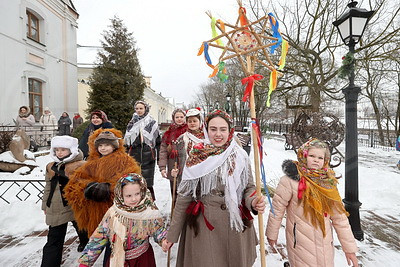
(230,168)
(146,128)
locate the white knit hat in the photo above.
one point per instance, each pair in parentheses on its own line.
(64,141)
(193,112)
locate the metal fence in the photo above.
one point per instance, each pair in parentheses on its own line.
(21,190)
(40,136)
(366,137)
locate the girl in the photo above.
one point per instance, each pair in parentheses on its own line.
(168,150)
(143,140)
(25,118)
(309,196)
(67,158)
(127,225)
(215,195)
(98,119)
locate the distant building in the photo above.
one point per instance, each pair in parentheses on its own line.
(161,107)
(38,58)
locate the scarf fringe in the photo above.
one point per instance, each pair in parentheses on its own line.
(211,180)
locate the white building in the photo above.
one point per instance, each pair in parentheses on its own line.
(161,107)
(38,57)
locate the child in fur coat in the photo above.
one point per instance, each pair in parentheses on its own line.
(91,189)
(309,196)
(67,158)
(127,226)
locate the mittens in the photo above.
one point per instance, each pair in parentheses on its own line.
(99,192)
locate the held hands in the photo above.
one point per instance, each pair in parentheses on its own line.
(164,173)
(271,242)
(351,259)
(166,245)
(258,204)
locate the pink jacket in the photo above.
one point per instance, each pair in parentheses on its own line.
(305,244)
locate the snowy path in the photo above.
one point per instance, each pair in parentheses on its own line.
(379,183)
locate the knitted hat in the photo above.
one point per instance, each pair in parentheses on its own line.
(106,137)
(194,112)
(64,141)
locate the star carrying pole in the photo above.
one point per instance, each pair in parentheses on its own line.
(246,41)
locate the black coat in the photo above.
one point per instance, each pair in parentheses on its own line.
(83,143)
(146,157)
(64,125)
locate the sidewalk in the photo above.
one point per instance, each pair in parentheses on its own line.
(381,235)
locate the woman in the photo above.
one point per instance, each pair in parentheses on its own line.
(143,140)
(216,192)
(98,119)
(64,124)
(168,150)
(25,118)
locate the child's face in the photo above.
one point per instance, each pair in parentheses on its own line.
(193,123)
(140,109)
(61,152)
(105,149)
(218,131)
(96,120)
(179,118)
(315,158)
(131,194)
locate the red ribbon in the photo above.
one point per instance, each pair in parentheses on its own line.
(250,83)
(194,208)
(301,188)
(244,212)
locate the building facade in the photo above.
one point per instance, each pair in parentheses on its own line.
(161,107)
(38,59)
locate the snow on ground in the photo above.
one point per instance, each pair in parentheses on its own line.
(379,183)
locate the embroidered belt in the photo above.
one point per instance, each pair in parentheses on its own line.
(137,251)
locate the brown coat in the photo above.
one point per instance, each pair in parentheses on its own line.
(107,169)
(222,246)
(305,244)
(57,213)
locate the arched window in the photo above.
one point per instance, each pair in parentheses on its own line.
(32,27)
(35,97)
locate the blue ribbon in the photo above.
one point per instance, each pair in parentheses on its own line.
(275,31)
(262,170)
(206,55)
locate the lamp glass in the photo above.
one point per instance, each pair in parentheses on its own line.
(344,29)
(359,25)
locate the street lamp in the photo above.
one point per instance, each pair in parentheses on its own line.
(351,26)
(228,103)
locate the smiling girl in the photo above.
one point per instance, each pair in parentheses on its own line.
(127,226)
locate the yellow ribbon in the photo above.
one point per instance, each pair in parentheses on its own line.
(273,81)
(285,48)
(214,32)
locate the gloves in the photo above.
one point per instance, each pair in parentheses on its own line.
(99,192)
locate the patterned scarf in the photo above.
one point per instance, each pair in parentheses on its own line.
(144,126)
(123,217)
(317,187)
(209,166)
(202,151)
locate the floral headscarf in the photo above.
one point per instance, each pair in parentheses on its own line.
(201,151)
(317,187)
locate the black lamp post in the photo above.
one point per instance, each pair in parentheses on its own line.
(351,26)
(228,103)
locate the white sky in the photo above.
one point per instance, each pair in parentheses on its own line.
(168,34)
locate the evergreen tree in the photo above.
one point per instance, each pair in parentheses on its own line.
(117,82)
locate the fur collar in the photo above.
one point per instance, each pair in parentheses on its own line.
(290,169)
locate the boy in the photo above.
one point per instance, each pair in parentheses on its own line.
(67,158)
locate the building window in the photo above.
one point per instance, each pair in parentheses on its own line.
(35,98)
(32,27)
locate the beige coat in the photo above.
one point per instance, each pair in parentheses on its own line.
(57,213)
(220,247)
(306,245)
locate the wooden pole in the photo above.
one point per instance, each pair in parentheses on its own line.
(250,69)
(172,212)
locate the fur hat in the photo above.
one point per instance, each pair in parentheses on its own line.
(106,137)
(64,141)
